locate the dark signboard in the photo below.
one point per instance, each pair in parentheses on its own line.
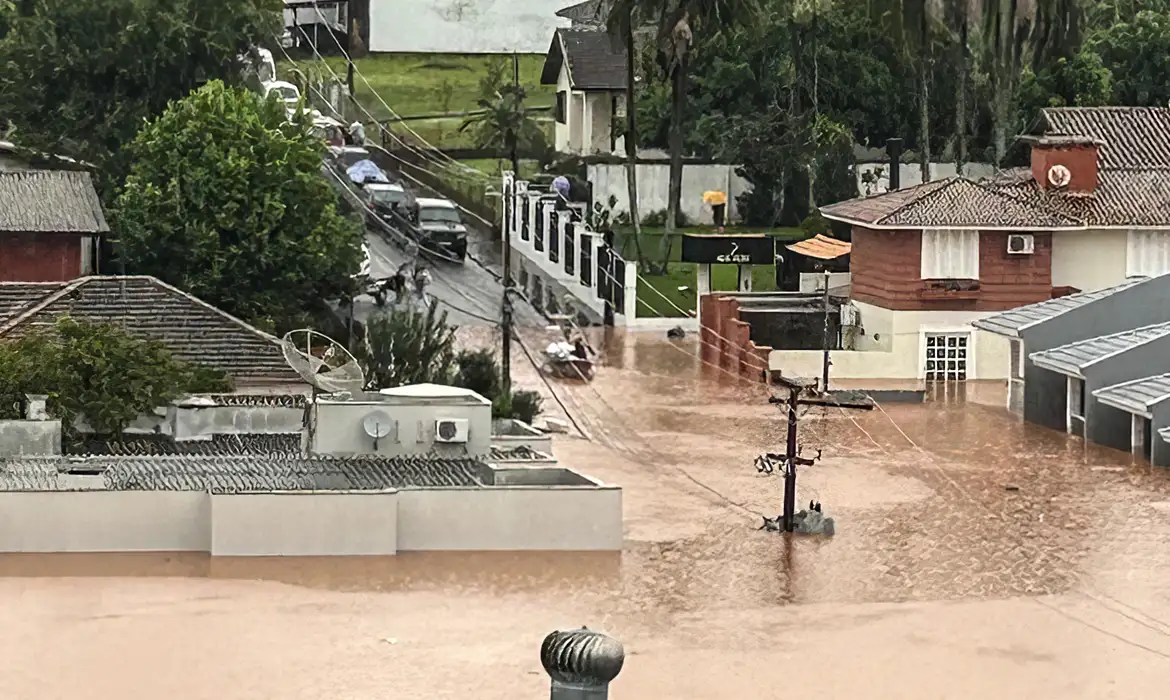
(734,250)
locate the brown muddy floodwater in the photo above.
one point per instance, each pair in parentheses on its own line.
(987,559)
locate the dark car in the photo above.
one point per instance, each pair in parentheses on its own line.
(440,227)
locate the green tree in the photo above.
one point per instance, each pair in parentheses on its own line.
(226,200)
(1136,52)
(78,77)
(503,121)
(97,371)
(403,346)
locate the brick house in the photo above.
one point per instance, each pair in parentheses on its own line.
(51,223)
(1091,210)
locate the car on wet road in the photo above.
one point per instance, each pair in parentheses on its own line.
(390,201)
(439,227)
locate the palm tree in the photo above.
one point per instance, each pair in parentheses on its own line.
(620,25)
(677,20)
(503,123)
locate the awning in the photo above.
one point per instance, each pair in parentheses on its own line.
(821,247)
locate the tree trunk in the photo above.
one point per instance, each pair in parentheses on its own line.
(999,123)
(924,117)
(961,100)
(632,141)
(678,98)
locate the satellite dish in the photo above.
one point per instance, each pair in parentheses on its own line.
(1059,176)
(377,425)
(322,362)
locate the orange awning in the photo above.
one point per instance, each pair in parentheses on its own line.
(821,247)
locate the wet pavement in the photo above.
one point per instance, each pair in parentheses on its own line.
(975,557)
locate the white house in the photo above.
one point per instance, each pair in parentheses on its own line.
(589,71)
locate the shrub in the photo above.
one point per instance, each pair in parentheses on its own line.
(478,371)
(815,224)
(526,405)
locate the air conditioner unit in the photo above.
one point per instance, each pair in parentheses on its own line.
(451,430)
(1020,244)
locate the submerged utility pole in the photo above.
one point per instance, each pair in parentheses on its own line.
(792,458)
(506,229)
(827,340)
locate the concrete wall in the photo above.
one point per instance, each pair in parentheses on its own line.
(1109,426)
(892,347)
(510,518)
(911,173)
(459,26)
(339,429)
(317,524)
(1088,260)
(193,422)
(304,524)
(105,521)
(1044,391)
(30,437)
(609,179)
(509,433)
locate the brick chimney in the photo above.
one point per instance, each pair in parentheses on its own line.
(581,663)
(1065,163)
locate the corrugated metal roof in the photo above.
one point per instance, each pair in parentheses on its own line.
(237,474)
(1010,322)
(1137,396)
(1074,357)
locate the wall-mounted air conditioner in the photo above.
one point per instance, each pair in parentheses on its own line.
(451,430)
(1020,244)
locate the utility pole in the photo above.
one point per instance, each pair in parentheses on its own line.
(506,228)
(828,344)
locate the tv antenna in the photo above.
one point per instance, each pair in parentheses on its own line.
(377,425)
(322,362)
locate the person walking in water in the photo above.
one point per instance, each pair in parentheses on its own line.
(717,200)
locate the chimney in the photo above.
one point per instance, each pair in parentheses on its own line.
(894,151)
(1065,163)
(581,663)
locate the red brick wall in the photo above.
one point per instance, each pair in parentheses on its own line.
(886,268)
(39,257)
(1081,162)
(725,340)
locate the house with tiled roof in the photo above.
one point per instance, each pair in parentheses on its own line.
(190,328)
(589,72)
(51,224)
(1091,211)
(1095,364)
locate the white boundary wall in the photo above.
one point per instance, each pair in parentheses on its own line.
(464,26)
(500,518)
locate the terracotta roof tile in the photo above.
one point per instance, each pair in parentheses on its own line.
(1135,138)
(1122,198)
(951,202)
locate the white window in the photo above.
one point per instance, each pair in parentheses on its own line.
(950,254)
(1147,253)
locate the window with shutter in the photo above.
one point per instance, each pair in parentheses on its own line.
(950,254)
(1147,253)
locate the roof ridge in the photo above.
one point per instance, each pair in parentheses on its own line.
(956,179)
(36,308)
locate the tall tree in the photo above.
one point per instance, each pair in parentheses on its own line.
(959,16)
(620,24)
(226,200)
(914,24)
(80,76)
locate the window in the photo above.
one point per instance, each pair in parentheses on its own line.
(950,254)
(946,357)
(559,111)
(1147,253)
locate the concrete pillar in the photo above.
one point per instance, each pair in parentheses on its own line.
(581,663)
(744,273)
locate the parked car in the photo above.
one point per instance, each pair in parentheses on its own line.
(439,226)
(286,92)
(389,200)
(329,130)
(344,157)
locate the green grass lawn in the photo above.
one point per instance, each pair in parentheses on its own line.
(665,295)
(413,84)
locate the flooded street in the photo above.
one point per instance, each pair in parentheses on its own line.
(975,557)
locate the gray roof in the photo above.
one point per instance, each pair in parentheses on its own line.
(1071,359)
(589,13)
(17,296)
(236,474)
(1010,322)
(594,62)
(953,202)
(191,329)
(1137,396)
(50,201)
